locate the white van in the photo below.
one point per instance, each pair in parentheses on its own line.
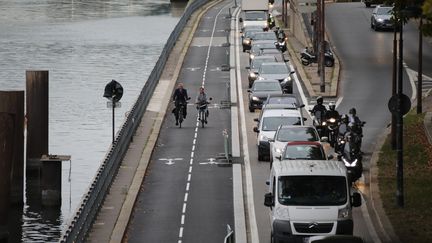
(309,198)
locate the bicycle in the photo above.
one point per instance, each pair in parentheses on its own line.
(203,112)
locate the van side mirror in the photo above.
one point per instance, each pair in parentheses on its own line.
(292,72)
(279,157)
(256,120)
(241,20)
(255,129)
(330,157)
(268,200)
(356,199)
(267,182)
(302,105)
(304,119)
(247,67)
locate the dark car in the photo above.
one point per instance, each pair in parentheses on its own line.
(382,18)
(259,92)
(247,34)
(256,64)
(279,71)
(369,3)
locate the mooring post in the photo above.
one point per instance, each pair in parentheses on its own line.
(51,178)
(13,102)
(37,117)
(6,154)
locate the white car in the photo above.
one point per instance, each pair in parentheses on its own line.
(269,122)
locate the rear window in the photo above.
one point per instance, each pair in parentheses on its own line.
(282,100)
(272,123)
(297,134)
(312,190)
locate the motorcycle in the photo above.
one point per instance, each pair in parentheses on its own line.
(351,157)
(319,123)
(281,40)
(332,126)
(307,57)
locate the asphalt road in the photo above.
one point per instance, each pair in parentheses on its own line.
(186,195)
(366,77)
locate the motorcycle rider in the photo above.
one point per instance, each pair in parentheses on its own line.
(180,97)
(319,107)
(201,99)
(356,122)
(332,112)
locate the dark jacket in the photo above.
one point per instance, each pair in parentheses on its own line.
(180,95)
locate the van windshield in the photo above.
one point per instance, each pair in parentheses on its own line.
(312,190)
(255,15)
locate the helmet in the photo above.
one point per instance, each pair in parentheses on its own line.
(352,111)
(320,100)
(344,118)
(332,106)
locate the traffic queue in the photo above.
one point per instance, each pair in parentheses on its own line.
(310,192)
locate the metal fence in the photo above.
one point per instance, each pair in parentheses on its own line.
(81,222)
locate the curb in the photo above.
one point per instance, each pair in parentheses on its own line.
(384,225)
(127,207)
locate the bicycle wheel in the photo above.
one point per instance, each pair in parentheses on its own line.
(202,118)
(180,117)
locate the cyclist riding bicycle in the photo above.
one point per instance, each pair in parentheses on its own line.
(201,102)
(180,98)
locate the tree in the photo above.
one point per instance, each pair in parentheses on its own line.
(427,13)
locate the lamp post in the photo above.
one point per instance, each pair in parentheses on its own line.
(420,68)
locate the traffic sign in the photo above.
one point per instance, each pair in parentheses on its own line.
(113,91)
(393,104)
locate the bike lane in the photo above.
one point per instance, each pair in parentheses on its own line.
(186,195)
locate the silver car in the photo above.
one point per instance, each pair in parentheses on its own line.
(255,65)
(382,18)
(277,71)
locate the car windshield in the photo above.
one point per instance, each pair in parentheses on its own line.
(297,134)
(384,11)
(274,69)
(266,86)
(256,63)
(251,16)
(312,190)
(282,100)
(304,152)
(264,36)
(272,123)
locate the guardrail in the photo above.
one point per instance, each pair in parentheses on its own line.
(81,223)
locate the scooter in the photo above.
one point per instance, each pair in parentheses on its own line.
(351,157)
(307,57)
(332,126)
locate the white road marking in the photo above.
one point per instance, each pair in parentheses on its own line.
(189,177)
(339,101)
(187,186)
(184,208)
(180,233)
(412,76)
(186,196)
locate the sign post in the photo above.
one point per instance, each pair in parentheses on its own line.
(113,92)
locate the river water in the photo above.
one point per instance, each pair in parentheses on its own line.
(83,44)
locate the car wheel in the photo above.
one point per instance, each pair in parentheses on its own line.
(251,109)
(367,5)
(371,25)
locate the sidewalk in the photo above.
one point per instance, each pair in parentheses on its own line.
(309,74)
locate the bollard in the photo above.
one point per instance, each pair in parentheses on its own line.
(51,178)
(37,117)
(13,102)
(6,154)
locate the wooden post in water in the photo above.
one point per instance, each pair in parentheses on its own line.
(37,117)
(6,154)
(13,102)
(51,179)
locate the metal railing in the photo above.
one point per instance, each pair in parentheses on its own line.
(83,219)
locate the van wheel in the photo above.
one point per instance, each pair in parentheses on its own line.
(272,239)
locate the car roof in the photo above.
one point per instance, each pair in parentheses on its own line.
(274,64)
(280,106)
(310,143)
(269,57)
(296,126)
(280,112)
(309,168)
